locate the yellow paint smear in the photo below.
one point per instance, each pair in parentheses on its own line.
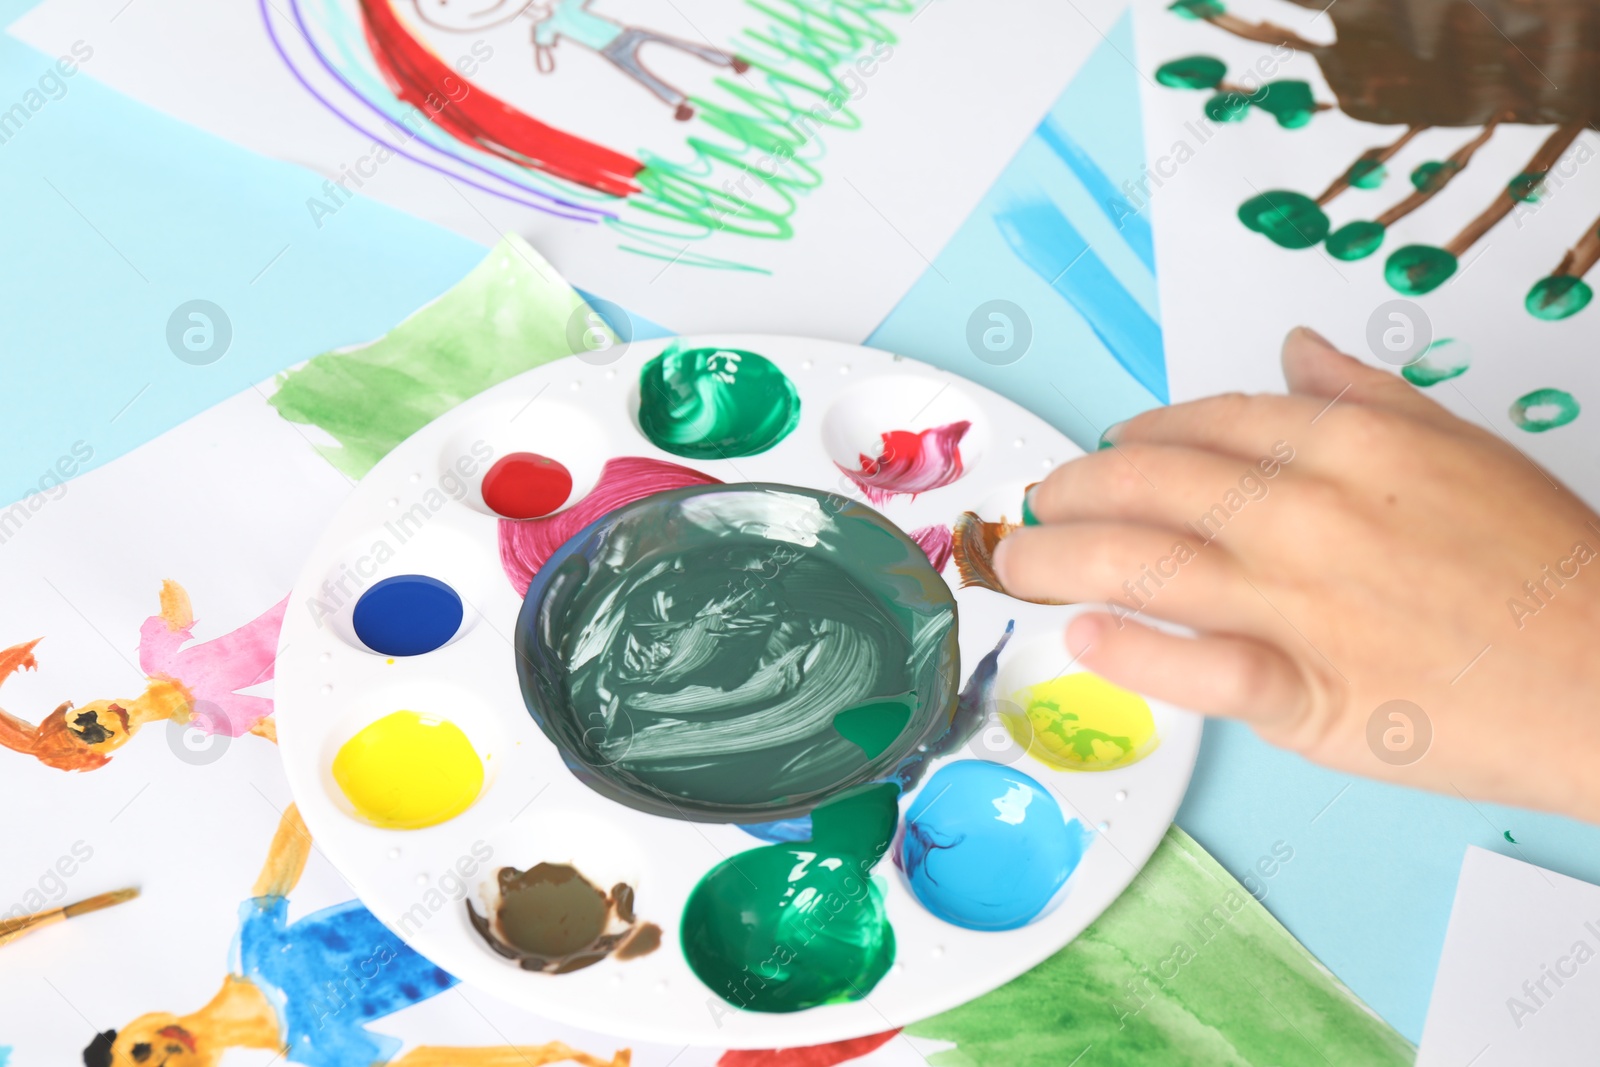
(409,770)
(1081,722)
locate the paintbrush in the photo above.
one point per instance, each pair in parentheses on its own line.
(11,929)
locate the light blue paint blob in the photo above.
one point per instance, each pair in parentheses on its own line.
(987,847)
(1043,238)
(407,615)
(778,832)
(5,1055)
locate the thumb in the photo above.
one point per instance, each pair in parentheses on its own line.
(1313,367)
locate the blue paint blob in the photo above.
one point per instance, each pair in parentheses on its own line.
(987,847)
(407,615)
(781,831)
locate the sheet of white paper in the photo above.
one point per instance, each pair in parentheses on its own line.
(1229,295)
(1519,979)
(940,110)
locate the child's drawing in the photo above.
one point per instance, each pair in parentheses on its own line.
(307,990)
(1422,64)
(555,21)
(198,685)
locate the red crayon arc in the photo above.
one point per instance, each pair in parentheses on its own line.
(482,120)
(814,1056)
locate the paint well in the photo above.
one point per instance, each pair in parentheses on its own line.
(408,770)
(1081,722)
(526,485)
(551,918)
(715,403)
(807,919)
(987,847)
(407,615)
(738,653)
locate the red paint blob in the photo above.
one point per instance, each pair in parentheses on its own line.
(815,1056)
(524,485)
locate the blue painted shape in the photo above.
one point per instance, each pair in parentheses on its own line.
(987,847)
(1052,247)
(407,615)
(328,975)
(1135,228)
(780,832)
(5,1055)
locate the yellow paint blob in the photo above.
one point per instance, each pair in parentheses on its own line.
(409,770)
(1081,722)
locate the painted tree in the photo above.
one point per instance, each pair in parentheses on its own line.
(1422,64)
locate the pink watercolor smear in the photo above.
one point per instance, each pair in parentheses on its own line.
(911,462)
(525,545)
(213,671)
(813,1056)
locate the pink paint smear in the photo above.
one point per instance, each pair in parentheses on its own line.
(526,544)
(937,542)
(911,462)
(213,671)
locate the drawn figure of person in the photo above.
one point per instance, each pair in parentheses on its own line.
(198,685)
(572,20)
(308,989)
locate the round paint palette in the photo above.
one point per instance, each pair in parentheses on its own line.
(716,728)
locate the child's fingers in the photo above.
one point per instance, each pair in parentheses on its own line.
(1141,568)
(1152,484)
(1249,427)
(1313,367)
(1236,677)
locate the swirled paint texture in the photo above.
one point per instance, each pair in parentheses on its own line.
(715,403)
(910,462)
(738,653)
(793,926)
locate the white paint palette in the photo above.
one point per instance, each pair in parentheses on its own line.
(421,511)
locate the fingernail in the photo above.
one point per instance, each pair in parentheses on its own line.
(1108,437)
(1083,632)
(1313,335)
(1028,517)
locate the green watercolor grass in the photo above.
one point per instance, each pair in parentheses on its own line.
(506,316)
(1184,969)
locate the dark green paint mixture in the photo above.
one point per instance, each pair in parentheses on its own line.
(715,403)
(738,653)
(793,926)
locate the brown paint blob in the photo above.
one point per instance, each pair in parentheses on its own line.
(551,918)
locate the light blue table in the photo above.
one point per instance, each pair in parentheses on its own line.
(115,215)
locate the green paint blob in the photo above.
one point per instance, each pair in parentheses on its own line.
(1184,968)
(1197,9)
(1557,297)
(1227,107)
(738,653)
(1288,219)
(1289,101)
(1355,240)
(1432,176)
(1444,359)
(506,316)
(1366,174)
(1544,409)
(715,403)
(793,926)
(1417,269)
(1192,72)
(1526,187)
(874,727)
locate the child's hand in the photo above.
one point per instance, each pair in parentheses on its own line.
(1336,549)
